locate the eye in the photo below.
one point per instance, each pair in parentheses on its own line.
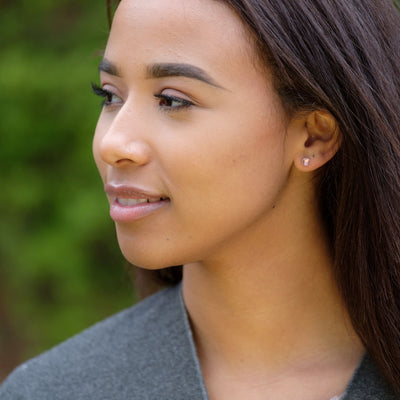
(110,98)
(172,103)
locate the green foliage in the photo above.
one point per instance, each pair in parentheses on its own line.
(60,266)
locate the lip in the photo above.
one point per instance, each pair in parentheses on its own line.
(131,213)
(130,192)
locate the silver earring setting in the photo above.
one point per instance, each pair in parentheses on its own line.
(306,161)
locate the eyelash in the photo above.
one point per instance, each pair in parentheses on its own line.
(105,94)
(184,104)
(165,99)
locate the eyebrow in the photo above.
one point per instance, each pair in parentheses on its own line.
(108,67)
(162,70)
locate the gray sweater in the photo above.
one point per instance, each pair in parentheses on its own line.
(146,352)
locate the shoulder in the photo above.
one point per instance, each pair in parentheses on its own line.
(127,353)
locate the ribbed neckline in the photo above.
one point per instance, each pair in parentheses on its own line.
(189,335)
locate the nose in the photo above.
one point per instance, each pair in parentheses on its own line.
(123,143)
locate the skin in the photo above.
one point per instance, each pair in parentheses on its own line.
(267,317)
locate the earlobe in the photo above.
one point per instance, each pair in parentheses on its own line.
(323,139)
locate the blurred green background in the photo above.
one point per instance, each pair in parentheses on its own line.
(60,266)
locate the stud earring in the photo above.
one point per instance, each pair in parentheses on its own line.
(306,161)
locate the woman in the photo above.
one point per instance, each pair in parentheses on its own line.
(256,143)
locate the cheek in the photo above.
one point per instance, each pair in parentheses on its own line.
(232,155)
(233,171)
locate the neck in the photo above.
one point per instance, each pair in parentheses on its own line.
(266,305)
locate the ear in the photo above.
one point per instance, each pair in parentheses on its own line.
(323,140)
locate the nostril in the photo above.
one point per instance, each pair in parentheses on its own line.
(116,151)
(123,161)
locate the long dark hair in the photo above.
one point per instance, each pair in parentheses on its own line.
(343,56)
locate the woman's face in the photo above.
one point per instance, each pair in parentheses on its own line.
(191,124)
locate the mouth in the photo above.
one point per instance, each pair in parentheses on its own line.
(129,204)
(127,195)
(126,202)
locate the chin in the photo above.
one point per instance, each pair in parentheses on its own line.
(147,259)
(144,262)
(151,251)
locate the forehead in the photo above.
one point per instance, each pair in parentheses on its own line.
(196,31)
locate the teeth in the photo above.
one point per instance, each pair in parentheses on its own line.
(133,202)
